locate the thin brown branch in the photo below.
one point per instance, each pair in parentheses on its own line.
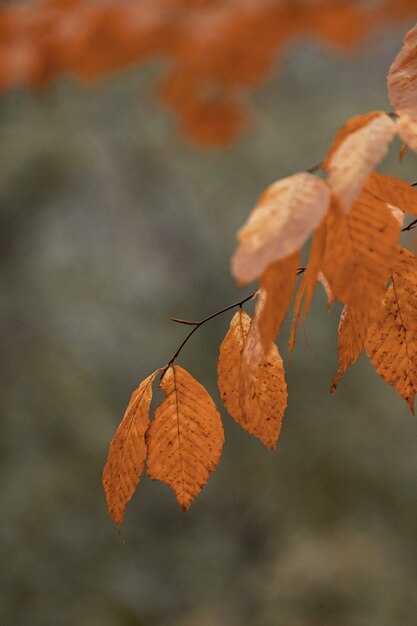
(200,323)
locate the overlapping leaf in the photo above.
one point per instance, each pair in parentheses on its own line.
(306,289)
(285,216)
(394,191)
(407,130)
(253,390)
(361,250)
(186,437)
(278,282)
(355,157)
(127,451)
(402,77)
(353,328)
(392,344)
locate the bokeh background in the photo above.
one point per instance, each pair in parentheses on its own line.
(112,222)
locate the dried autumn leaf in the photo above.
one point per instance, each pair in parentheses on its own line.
(127,451)
(350,126)
(361,250)
(356,156)
(353,328)
(259,412)
(392,344)
(308,284)
(280,223)
(402,76)
(394,191)
(407,129)
(278,281)
(186,437)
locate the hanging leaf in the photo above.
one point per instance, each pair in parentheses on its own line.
(392,344)
(351,163)
(407,129)
(186,437)
(256,398)
(308,284)
(353,328)
(394,191)
(350,126)
(402,77)
(361,250)
(127,451)
(278,281)
(281,222)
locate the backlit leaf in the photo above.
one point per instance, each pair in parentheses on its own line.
(350,165)
(407,129)
(402,77)
(285,216)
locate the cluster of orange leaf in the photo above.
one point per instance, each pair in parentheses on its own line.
(355,216)
(215,47)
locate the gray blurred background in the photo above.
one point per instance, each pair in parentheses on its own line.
(111,222)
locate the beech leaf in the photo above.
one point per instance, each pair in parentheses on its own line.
(402,77)
(127,451)
(285,216)
(278,282)
(186,437)
(393,191)
(361,251)
(256,397)
(392,344)
(353,328)
(356,156)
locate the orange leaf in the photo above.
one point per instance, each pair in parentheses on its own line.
(278,281)
(350,165)
(281,222)
(392,344)
(394,191)
(310,277)
(351,126)
(402,77)
(254,395)
(127,451)
(407,129)
(361,250)
(353,327)
(186,437)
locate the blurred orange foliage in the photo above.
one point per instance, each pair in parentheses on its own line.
(214,47)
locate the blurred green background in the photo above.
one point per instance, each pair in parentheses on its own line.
(111,222)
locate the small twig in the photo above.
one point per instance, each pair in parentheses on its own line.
(200,323)
(300,270)
(180,321)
